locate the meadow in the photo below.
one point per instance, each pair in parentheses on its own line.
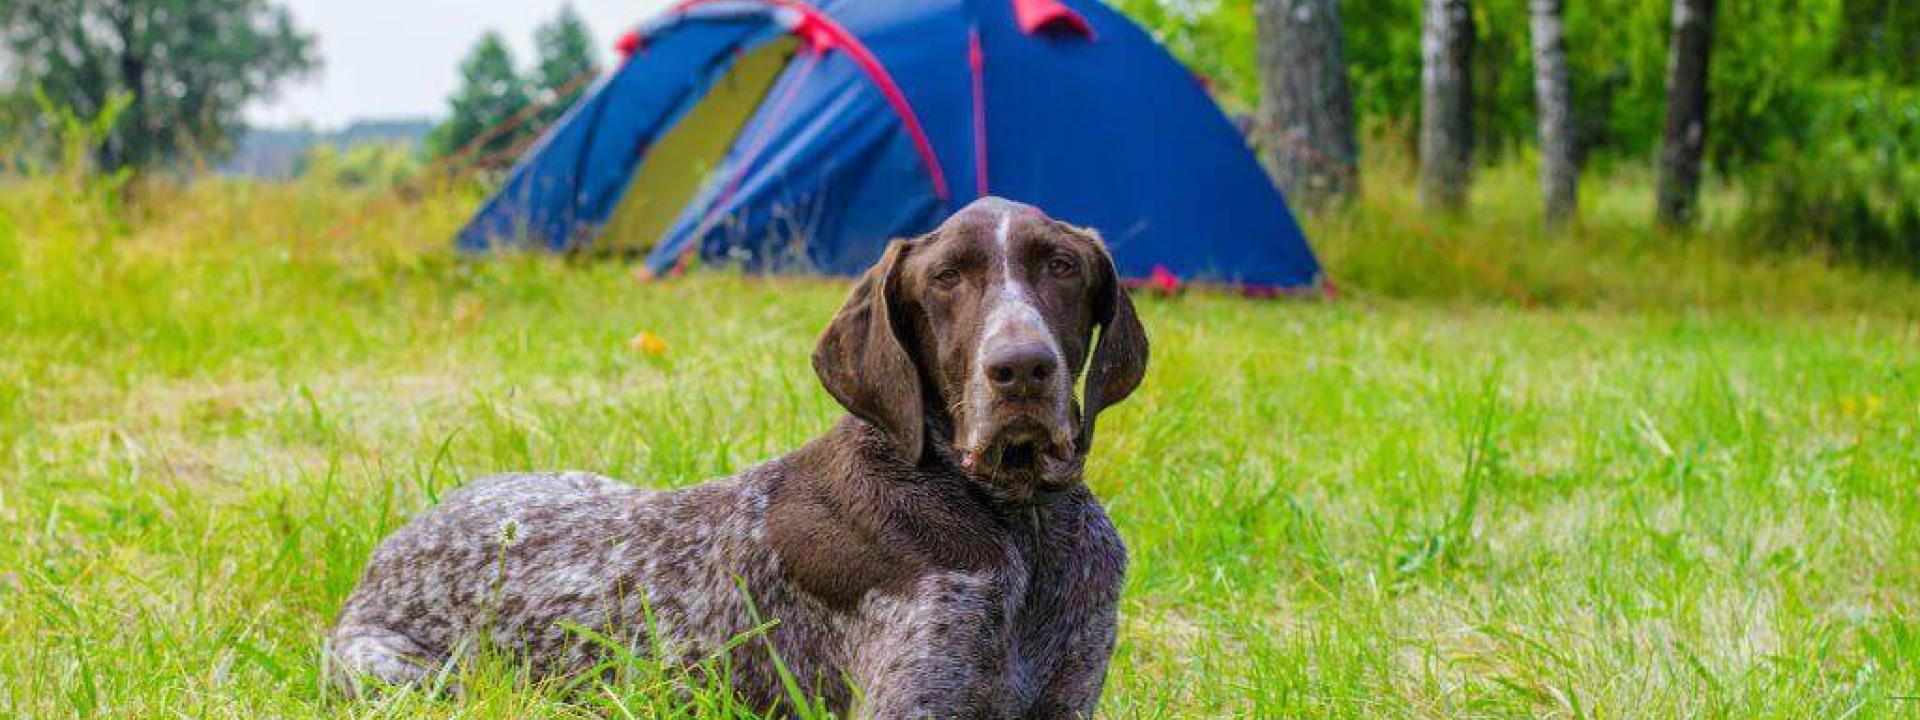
(1612,474)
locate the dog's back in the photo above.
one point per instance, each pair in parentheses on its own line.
(512,560)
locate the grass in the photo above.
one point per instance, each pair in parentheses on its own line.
(1611,474)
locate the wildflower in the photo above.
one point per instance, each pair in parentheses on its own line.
(648,344)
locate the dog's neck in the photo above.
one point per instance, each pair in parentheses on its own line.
(851,513)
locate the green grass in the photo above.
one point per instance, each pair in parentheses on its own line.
(1666,478)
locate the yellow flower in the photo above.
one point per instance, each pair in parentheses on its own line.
(648,344)
(467,311)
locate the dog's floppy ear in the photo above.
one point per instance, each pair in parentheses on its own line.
(1120,361)
(863,363)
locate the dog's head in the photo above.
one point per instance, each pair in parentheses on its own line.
(967,343)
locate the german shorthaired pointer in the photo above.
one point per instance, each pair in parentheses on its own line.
(935,554)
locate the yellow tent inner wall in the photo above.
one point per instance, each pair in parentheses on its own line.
(684,160)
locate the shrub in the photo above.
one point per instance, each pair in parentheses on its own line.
(1825,206)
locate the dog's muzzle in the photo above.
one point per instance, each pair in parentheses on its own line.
(1024,421)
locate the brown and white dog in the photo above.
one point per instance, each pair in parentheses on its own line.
(935,554)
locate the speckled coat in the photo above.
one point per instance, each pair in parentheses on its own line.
(1019,625)
(911,574)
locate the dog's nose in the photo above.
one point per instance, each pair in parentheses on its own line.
(1024,367)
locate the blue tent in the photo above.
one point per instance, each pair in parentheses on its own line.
(780,134)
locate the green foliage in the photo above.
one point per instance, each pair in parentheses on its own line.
(565,52)
(1880,37)
(373,165)
(18,119)
(1214,38)
(1683,485)
(1612,257)
(1772,63)
(1383,61)
(77,135)
(491,92)
(1816,109)
(73,140)
(1851,188)
(1775,67)
(188,67)
(1825,206)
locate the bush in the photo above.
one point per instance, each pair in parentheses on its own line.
(1846,189)
(376,165)
(1825,206)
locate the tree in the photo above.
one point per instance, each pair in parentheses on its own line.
(1553,100)
(377,164)
(16,107)
(1213,37)
(565,54)
(1446,108)
(1880,36)
(1793,65)
(187,66)
(1684,140)
(1306,109)
(491,93)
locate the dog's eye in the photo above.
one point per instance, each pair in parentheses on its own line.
(1061,266)
(947,277)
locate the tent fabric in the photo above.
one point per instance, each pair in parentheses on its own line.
(889,116)
(671,170)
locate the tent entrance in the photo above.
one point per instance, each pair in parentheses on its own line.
(688,156)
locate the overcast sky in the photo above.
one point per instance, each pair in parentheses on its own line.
(400,58)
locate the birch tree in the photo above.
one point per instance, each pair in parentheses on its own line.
(1553,99)
(1684,140)
(1446,107)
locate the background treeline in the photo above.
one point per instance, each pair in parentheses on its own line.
(1788,76)
(1837,78)
(1811,125)
(497,108)
(169,77)
(164,82)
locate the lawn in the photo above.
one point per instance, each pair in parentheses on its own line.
(1573,495)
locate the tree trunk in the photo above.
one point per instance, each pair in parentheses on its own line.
(1559,159)
(1685,139)
(1446,104)
(116,149)
(1306,109)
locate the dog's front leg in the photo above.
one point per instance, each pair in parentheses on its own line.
(1080,567)
(942,651)
(1073,692)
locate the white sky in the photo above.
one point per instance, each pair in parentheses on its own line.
(400,58)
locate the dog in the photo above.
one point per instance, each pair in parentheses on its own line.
(934,555)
